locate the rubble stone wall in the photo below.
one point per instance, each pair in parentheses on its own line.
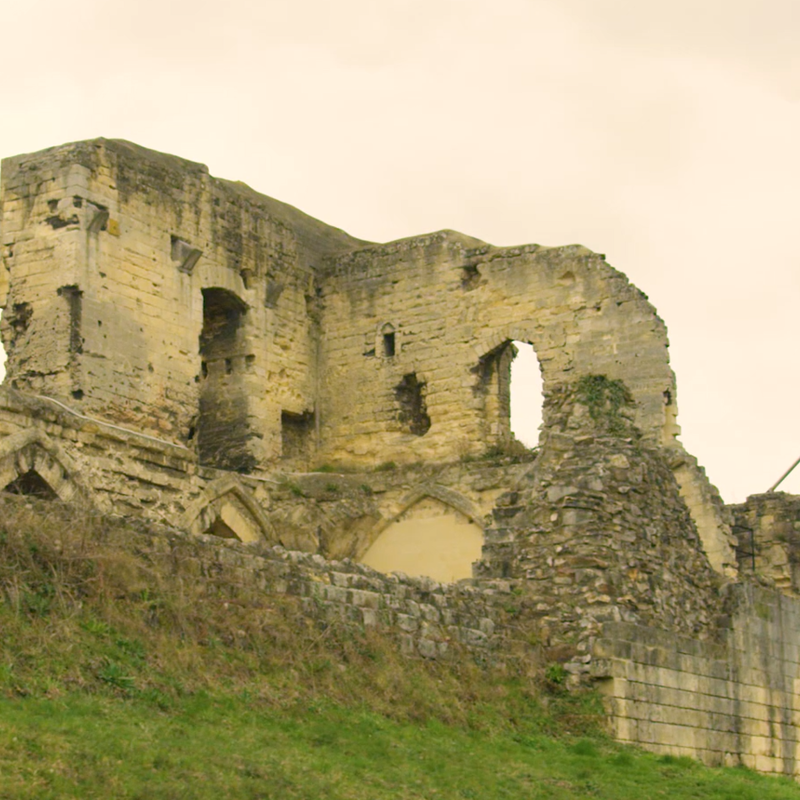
(767,529)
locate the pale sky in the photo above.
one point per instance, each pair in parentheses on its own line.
(663,134)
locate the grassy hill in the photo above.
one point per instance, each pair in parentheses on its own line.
(120,682)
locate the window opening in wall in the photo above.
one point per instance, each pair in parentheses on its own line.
(413,412)
(31,484)
(509,390)
(389,345)
(525,395)
(223,429)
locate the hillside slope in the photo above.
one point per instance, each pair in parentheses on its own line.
(119,681)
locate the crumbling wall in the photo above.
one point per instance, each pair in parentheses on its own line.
(428,619)
(590,561)
(130,474)
(118,258)
(598,530)
(767,529)
(109,247)
(453,305)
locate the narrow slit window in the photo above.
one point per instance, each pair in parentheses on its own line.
(389,340)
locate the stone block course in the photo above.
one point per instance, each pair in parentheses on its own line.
(748,716)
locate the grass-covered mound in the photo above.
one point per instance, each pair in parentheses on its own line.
(121,681)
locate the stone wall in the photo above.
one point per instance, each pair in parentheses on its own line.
(590,560)
(126,473)
(429,619)
(731,700)
(598,531)
(767,529)
(452,306)
(183,350)
(144,292)
(109,248)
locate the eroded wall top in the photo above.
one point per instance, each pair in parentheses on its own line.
(119,261)
(146,292)
(436,314)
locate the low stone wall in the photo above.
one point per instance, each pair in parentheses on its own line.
(429,619)
(734,701)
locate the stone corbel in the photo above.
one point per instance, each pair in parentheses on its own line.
(185,255)
(98,218)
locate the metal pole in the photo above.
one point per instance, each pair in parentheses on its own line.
(785,475)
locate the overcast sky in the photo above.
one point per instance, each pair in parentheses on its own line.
(663,134)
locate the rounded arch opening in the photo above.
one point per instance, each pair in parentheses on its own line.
(510,392)
(526,395)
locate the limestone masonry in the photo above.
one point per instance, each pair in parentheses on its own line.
(187,351)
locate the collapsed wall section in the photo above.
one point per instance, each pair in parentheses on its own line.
(598,530)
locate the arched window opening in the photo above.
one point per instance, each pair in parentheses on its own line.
(509,388)
(388,340)
(31,484)
(430,538)
(223,430)
(230,519)
(526,395)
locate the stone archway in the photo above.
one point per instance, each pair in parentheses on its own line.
(32,464)
(434,535)
(228,510)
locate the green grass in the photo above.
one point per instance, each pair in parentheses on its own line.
(209,746)
(121,681)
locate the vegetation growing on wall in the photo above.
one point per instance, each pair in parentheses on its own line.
(605,399)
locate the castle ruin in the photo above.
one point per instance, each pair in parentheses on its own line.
(185,350)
